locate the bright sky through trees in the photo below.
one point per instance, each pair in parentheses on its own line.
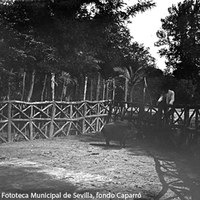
(145,25)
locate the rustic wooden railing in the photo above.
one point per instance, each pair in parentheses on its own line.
(187,116)
(32,120)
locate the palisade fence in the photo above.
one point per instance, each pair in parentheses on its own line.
(33,120)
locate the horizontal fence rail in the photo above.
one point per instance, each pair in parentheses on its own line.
(32,120)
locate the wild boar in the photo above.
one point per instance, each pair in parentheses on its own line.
(120,131)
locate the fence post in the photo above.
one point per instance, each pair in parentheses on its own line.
(186,117)
(196,119)
(52,119)
(98,113)
(31,123)
(110,107)
(141,110)
(9,121)
(84,115)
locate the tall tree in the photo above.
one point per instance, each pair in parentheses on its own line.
(75,36)
(179,38)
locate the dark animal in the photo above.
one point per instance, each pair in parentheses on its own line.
(120,131)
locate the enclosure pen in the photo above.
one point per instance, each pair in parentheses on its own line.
(33,120)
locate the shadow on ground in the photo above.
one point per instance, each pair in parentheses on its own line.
(178,171)
(85,164)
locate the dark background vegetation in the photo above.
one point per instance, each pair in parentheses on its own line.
(82,49)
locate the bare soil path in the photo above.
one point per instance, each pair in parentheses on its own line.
(82,167)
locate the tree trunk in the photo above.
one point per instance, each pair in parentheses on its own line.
(126,90)
(63,93)
(44,87)
(85,88)
(9,85)
(23,85)
(131,93)
(32,86)
(144,90)
(9,88)
(113,94)
(98,86)
(76,98)
(107,90)
(91,90)
(104,89)
(52,86)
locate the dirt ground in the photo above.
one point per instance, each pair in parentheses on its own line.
(83,167)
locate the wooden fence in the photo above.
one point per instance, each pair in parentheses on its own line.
(187,116)
(28,121)
(33,120)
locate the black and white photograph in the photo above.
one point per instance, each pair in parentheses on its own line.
(99,99)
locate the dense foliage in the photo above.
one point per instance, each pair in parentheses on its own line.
(180,42)
(64,42)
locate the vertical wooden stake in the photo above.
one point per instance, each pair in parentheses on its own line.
(98,113)
(196,118)
(9,121)
(84,115)
(52,119)
(186,116)
(31,123)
